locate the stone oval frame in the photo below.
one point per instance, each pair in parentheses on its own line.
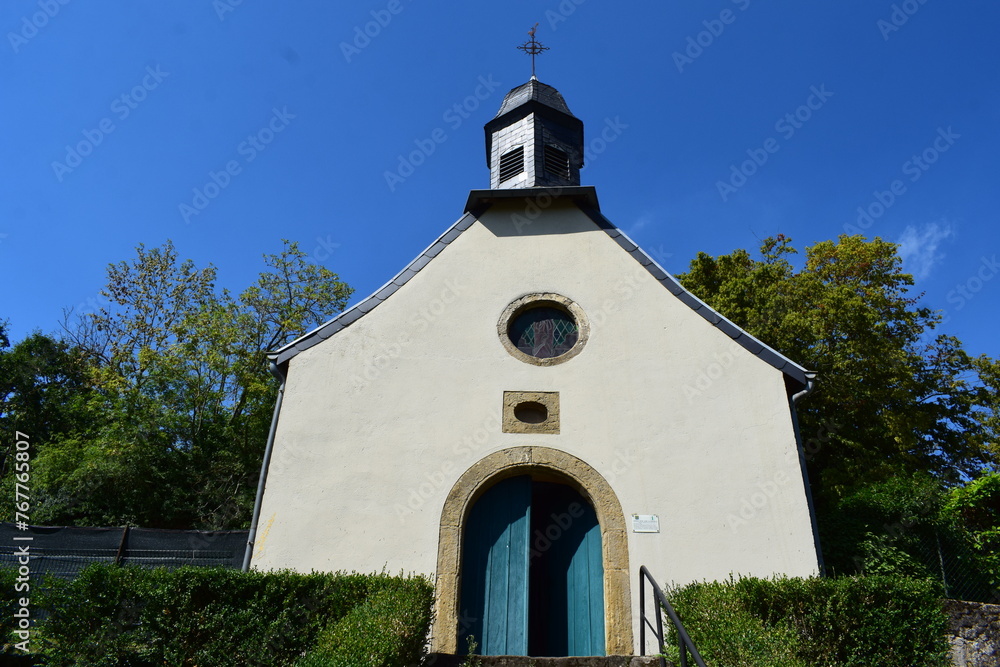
(545,461)
(523,303)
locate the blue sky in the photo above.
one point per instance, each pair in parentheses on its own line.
(226,126)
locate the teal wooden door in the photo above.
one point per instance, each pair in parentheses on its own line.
(585,591)
(566,606)
(494,606)
(532,572)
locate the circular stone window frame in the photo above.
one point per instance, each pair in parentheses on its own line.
(541,300)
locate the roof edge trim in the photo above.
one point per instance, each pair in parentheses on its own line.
(756,347)
(582,195)
(358,310)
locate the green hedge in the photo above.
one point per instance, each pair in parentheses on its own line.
(8,606)
(222,617)
(387,629)
(846,622)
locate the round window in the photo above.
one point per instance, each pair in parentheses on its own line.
(544,332)
(543,329)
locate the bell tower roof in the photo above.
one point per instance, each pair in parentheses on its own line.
(534,91)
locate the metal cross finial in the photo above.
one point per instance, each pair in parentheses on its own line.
(533,47)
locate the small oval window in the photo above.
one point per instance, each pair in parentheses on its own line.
(531,412)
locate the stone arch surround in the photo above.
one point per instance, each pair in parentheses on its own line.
(546,461)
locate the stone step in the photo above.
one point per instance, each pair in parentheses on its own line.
(448,660)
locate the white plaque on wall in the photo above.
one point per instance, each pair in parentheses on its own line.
(645,523)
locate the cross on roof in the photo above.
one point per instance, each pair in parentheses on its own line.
(533,47)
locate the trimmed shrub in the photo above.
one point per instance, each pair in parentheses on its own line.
(727,633)
(847,622)
(114,615)
(387,630)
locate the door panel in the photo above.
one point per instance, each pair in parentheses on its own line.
(495,570)
(566,605)
(532,572)
(585,600)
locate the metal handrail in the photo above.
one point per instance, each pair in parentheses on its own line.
(685,640)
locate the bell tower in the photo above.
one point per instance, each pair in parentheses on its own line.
(534,140)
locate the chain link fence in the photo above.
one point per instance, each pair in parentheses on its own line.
(933,551)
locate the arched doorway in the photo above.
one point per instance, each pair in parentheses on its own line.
(532,580)
(535,462)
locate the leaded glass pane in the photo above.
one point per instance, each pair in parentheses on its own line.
(544,332)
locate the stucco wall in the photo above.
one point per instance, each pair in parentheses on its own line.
(380,420)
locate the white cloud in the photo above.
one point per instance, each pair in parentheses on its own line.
(918,247)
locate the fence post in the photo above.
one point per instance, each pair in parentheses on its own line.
(121,546)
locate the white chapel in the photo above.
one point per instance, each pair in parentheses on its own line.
(513,416)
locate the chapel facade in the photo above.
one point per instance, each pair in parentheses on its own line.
(530,411)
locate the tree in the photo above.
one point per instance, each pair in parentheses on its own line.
(44,388)
(182,397)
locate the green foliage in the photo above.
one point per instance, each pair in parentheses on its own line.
(155,410)
(975,510)
(214,616)
(728,634)
(8,605)
(847,622)
(915,528)
(977,504)
(43,383)
(874,528)
(387,630)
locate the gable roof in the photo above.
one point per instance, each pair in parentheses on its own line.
(585,198)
